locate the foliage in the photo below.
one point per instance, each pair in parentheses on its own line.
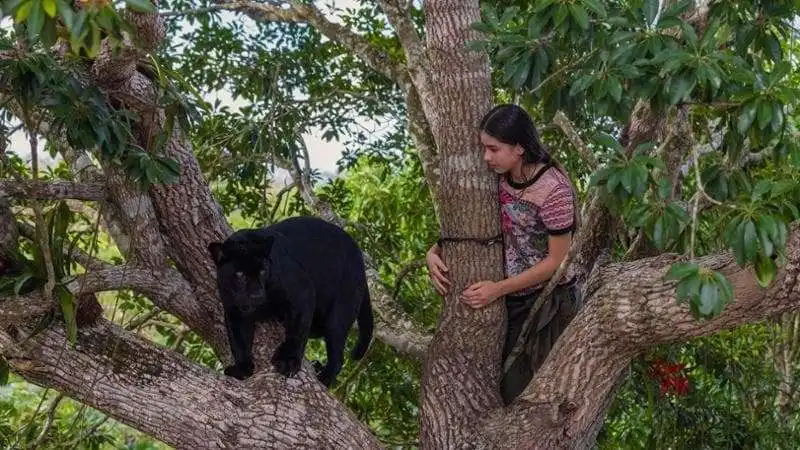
(23,408)
(395,225)
(731,71)
(730,403)
(52,91)
(31,273)
(44,21)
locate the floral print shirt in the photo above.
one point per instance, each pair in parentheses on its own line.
(530,213)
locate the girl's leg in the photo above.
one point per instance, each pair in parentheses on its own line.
(549,322)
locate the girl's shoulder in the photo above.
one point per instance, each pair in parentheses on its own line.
(551,181)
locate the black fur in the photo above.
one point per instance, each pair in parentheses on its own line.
(304,272)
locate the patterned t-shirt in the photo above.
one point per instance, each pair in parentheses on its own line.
(532,212)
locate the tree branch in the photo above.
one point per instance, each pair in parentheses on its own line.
(84,170)
(53,190)
(17,310)
(397,13)
(299,12)
(633,310)
(419,129)
(568,128)
(279,197)
(128,378)
(167,289)
(404,272)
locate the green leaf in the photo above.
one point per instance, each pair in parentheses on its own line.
(621,36)
(650,9)
(773,47)
(580,15)
(480,27)
(618,21)
(49,7)
(639,179)
(596,7)
(509,13)
(614,176)
(141,5)
(688,288)
(66,13)
(607,140)
(48,35)
(750,240)
(615,88)
(689,34)
(523,70)
(679,271)
(726,290)
(534,27)
(35,20)
(581,84)
(67,302)
(714,78)
(676,210)
(639,215)
(780,240)
(600,176)
(541,5)
(23,12)
(764,114)
(765,270)
(770,226)
(761,188)
(562,11)
(735,238)
(664,188)
(8,6)
(659,233)
(766,242)
(777,116)
(709,298)
(681,87)
(626,178)
(746,117)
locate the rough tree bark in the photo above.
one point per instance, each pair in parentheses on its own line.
(461,374)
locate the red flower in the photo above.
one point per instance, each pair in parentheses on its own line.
(670,378)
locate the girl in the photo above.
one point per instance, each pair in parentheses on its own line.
(539,215)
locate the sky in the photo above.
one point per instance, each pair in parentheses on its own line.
(323,155)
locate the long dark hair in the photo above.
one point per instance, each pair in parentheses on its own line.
(512,125)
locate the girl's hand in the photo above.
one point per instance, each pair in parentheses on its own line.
(436,270)
(482,293)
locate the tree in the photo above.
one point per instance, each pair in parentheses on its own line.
(127,110)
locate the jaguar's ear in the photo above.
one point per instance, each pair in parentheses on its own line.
(215,248)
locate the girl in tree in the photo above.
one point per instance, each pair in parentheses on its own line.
(538,213)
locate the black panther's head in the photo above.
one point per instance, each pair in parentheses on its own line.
(242,269)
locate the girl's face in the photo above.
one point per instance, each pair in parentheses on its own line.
(499,156)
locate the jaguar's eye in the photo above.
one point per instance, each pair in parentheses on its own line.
(239,274)
(262,272)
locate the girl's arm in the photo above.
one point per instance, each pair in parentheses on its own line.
(557,248)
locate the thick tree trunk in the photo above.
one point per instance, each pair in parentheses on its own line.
(461,376)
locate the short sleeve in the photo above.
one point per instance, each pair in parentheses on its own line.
(558,210)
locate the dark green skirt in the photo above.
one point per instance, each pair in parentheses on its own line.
(547,325)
